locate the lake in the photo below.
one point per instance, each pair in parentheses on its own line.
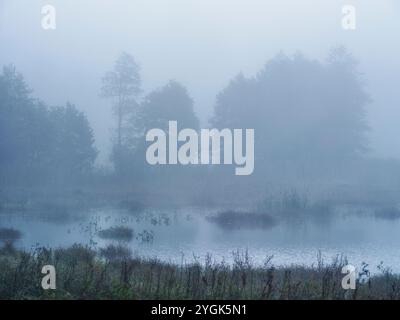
(185,235)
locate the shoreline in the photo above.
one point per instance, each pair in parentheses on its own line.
(112,273)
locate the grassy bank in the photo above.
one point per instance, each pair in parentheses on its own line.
(112,273)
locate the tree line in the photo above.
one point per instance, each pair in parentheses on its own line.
(307,114)
(38,143)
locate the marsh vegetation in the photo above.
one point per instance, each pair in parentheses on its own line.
(113,273)
(116,233)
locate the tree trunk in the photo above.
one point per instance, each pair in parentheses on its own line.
(119,124)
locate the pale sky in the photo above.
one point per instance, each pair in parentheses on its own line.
(202,44)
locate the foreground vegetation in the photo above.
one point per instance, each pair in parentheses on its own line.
(112,273)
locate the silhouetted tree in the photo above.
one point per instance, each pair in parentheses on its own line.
(169,103)
(22,119)
(305,113)
(74,152)
(122,86)
(36,142)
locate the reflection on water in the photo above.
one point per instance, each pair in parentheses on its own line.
(186,234)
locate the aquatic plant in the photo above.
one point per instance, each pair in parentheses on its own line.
(388,213)
(116,233)
(9,234)
(238,220)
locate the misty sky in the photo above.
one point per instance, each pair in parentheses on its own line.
(202,44)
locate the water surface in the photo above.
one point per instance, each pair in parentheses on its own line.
(184,235)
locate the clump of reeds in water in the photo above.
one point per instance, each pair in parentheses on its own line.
(116,233)
(9,234)
(388,213)
(238,220)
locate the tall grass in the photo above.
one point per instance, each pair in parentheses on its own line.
(83,273)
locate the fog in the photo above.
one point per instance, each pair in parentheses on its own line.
(202,44)
(214,134)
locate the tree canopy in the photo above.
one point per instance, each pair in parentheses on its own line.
(39,143)
(303,111)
